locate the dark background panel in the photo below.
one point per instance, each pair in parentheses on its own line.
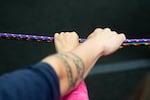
(46,17)
(116,86)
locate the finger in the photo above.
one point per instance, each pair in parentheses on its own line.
(98,30)
(122,36)
(62,33)
(62,36)
(56,35)
(107,29)
(67,33)
(114,32)
(56,41)
(71,36)
(74,34)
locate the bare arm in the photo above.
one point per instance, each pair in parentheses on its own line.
(65,42)
(73,66)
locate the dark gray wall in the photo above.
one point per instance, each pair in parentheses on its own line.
(46,17)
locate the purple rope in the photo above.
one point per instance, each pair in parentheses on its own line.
(26,37)
(51,39)
(136,40)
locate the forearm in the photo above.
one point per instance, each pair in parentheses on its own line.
(89,52)
(72,67)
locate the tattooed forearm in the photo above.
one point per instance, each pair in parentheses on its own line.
(68,69)
(78,63)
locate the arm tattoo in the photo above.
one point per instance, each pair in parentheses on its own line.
(79,65)
(68,69)
(77,61)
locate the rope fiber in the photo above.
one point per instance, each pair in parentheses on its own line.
(10,36)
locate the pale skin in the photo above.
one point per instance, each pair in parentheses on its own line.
(65,42)
(73,66)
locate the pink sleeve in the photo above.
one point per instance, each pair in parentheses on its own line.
(79,93)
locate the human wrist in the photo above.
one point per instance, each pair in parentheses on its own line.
(89,51)
(95,46)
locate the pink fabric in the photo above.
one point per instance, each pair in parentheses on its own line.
(79,93)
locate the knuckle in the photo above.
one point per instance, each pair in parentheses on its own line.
(98,29)
(114,32)
(67,33)
(107,29)
(61,33)
(56,34)
(123,36)
(75,34)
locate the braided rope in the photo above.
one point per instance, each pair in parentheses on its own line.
(127,42)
